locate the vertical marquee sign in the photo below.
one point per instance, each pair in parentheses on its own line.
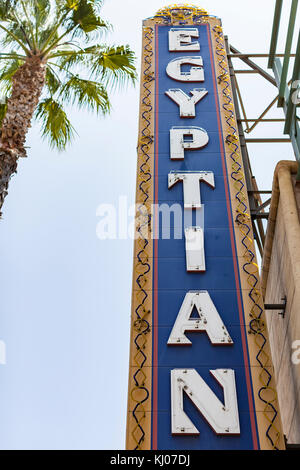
(200,374)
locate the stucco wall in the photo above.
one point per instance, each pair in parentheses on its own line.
(281,277)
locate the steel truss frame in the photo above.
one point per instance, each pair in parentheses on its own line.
(286,98)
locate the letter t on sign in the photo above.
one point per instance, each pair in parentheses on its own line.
(191,186)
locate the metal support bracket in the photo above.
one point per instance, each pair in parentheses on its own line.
(281,307)
(257,212)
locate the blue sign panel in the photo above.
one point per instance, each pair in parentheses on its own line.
(171,279)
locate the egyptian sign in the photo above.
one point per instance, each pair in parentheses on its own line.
(200,369)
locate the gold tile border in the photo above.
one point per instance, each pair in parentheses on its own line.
(138,432)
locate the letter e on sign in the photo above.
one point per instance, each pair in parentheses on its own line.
(181,40)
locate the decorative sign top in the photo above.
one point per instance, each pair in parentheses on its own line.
(180,12)
(183,9)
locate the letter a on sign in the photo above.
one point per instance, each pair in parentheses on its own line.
(208,320)
(222,417)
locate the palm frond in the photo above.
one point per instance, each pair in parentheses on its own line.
(52,82)
(84,18)
(55,125)
(114,65)
(69,58)
(44,34)
(15,35)
(6,7)
(3,107)
(86,94)
(40,10)
(7,73)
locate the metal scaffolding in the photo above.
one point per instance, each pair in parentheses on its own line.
(287,98)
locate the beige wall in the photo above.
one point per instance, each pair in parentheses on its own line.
(281,277)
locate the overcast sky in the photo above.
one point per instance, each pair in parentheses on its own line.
(65,294)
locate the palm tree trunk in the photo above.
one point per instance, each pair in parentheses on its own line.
(27,87)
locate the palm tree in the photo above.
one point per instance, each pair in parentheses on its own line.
(52,58)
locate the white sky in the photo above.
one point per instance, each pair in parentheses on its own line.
(65,297)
